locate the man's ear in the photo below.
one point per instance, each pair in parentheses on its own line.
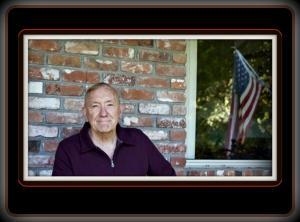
(83,111)
(122,108)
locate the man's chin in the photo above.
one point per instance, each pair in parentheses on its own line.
(104,129)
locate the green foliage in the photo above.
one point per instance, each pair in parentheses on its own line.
(214,91)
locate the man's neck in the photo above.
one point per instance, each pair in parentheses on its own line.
(104,137)
(105,141)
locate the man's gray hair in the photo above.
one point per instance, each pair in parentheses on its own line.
(101,85)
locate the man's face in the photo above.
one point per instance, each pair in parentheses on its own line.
(102,110)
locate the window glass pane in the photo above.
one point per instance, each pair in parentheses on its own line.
(215,67)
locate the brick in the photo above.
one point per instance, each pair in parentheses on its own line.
(105,65)
(179,58)
(44,103)
(178,84)
(153,108)
(50,74)
(193,173)
(258,172)
(155,56)
(118,52)
(40,160)
(34,73)
(137,121)
(69,131)
(119,79)
(35,87)
(168,122)
(178,161)
(55,117)
(210,173)
(53,89)
(229,173)
(73,104)
(220,173)
(248,172)
(167,96)
(156,134)
(71,90)
(64,90)
(44,131)
(43,73)
(50,145)
(138,42)
(128,108)
(179,110)
(177,135)
(83,47)
(64,60)
(35,58)
(92,77)
(137,94)
(34,146)
(45,45)
(45,173)
(177,45)
(81,76)
(203,173)
(170,70)
(136,67)
(35,117)
(74,76)
(167,148)
(179,171)
(153,82)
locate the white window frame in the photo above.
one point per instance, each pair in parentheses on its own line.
(191,92)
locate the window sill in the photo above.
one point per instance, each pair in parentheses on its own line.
(228,164)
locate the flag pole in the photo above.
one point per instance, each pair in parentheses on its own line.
(232,128)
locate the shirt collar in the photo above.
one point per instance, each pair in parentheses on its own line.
(87,143)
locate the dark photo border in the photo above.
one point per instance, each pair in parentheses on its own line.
(131,197)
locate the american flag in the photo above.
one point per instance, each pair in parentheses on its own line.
(247,86)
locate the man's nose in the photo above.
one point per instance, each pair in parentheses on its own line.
(103,111)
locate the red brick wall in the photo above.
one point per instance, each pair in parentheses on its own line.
(150,77)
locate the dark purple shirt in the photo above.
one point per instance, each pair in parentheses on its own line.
(135,155)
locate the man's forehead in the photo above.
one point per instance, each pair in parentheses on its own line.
(102,93)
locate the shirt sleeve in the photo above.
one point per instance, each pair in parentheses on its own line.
(62,165)
(158,165)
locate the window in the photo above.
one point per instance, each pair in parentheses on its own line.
(210,81)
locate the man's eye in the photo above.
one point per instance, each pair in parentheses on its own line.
(94,106)
(110,104)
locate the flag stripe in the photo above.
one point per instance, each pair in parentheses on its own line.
(248,113)
(245,96)
(248,87)
(247,120)
(246,102)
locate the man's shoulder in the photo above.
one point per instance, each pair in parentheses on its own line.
(130,131)
(131,134)
(71,140)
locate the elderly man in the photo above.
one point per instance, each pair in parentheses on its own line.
(103,147)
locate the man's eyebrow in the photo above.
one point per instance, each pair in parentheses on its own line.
(109,101)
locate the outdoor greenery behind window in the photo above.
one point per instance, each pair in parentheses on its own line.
(214,91)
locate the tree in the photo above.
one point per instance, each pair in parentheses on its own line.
(214,87)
